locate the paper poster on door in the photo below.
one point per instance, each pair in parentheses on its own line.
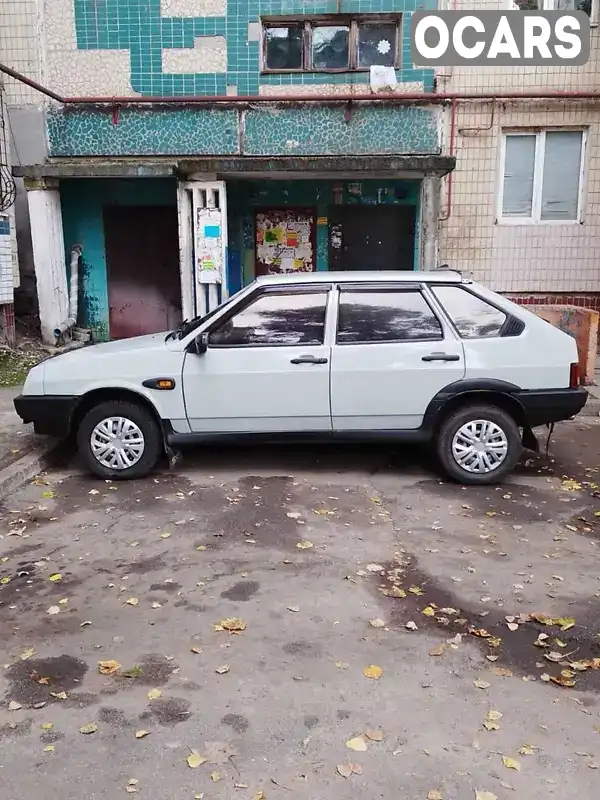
(284,240)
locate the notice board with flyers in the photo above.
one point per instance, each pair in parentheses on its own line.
(284,240)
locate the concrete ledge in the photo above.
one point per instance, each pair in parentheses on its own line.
(26,468)
(582,325)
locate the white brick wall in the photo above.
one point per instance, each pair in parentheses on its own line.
(6,270)
(511,257)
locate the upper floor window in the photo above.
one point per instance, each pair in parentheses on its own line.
(330,44)
(553,5)
(541,176)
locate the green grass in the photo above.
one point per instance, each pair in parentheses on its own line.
(14,367)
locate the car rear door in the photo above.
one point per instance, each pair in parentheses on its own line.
(392,354)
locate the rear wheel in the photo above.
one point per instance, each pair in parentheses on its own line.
(479,444)
(119,440)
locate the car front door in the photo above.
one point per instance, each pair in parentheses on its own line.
(391,356)
(266,368)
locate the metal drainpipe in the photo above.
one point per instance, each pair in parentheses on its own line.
(71,321)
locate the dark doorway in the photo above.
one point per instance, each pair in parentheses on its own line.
(142,262)
(372,237)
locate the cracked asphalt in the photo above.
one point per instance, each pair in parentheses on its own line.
(334,560)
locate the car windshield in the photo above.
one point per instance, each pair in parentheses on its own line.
(188,325)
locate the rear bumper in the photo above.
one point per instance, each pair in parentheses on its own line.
(51,414)
(551,405)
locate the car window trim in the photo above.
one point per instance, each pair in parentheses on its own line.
(507,321)
(373,287)
(304,288)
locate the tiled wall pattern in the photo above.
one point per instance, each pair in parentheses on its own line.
(548,257)
(6,269)
(20,40)
(261,131)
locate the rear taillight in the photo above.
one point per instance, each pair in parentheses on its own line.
(574,376)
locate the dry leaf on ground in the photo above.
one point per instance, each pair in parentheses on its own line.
(223,669)
(357,743)
(483,795)
(511,763)
(56,577)
(342,664)
(154,694)
(438,651)
(304,545)
(53,610)
(90,728)
(47,726)
(491,721)
(260,795)
(374,735)
(195,760)
(373,672)
(231,624)
(345,770)
(428,611)
(141,734)
(478,683)
(49,748)
(215,776)
(377,623)
(14,706)
(108,667)
(435,794)
(132,601)
(165,535)
(27,654)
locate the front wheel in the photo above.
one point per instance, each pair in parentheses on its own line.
(119,440)
(479,445)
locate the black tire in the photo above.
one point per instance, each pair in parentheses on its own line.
(451,425)
(140,416)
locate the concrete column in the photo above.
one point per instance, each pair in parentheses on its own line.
(430,211)
(48,255)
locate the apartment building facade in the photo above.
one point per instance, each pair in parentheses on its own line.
(521,210)
(186,146)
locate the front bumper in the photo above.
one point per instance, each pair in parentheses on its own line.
(551,405)
(51,414)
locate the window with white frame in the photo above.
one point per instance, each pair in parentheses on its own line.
(556,5)
(542,175)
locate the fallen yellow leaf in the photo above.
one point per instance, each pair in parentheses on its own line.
(491,721)
(56,577)
(373,671)
(231,624)
(108,667)
(342,665)
(165,535)
(357,743)
(154,694)
(428,611)
(435,794)
(195,760)
(26,654)
(416,590)
(438,651)
(511,763)
(223,669)
(47,726)
(59,695)
(527,750)
(304,545)
(482,795)
(260,795)
(215,776)
(478,683)
(89,728)
(132,601)
(141,734)
(377,623)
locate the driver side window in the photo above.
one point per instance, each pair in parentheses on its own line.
(276,318)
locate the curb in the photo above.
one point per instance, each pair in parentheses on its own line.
(27,467)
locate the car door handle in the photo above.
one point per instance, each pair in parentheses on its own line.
(441,357)
(308,360)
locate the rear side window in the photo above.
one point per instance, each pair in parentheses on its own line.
(385,316)
(472,316)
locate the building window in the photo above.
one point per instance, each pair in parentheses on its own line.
(330,44)
(542,176)
(554,5)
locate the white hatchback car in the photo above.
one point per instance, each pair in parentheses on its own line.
(423,356)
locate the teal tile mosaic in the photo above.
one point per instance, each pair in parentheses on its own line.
(142,131)
(137,26)
(284,132)
(325,131)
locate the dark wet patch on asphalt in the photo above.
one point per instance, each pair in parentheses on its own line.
(241,591)
(166,586)
(238,722)
(302,649)
(144,565)
(151,670)
(508,651)
(15,729)
(168,711)
(36,680)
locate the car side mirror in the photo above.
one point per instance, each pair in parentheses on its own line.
(201,344)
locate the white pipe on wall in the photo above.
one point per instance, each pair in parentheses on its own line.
(71,321)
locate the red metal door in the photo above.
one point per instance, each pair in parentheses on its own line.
(142,261)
